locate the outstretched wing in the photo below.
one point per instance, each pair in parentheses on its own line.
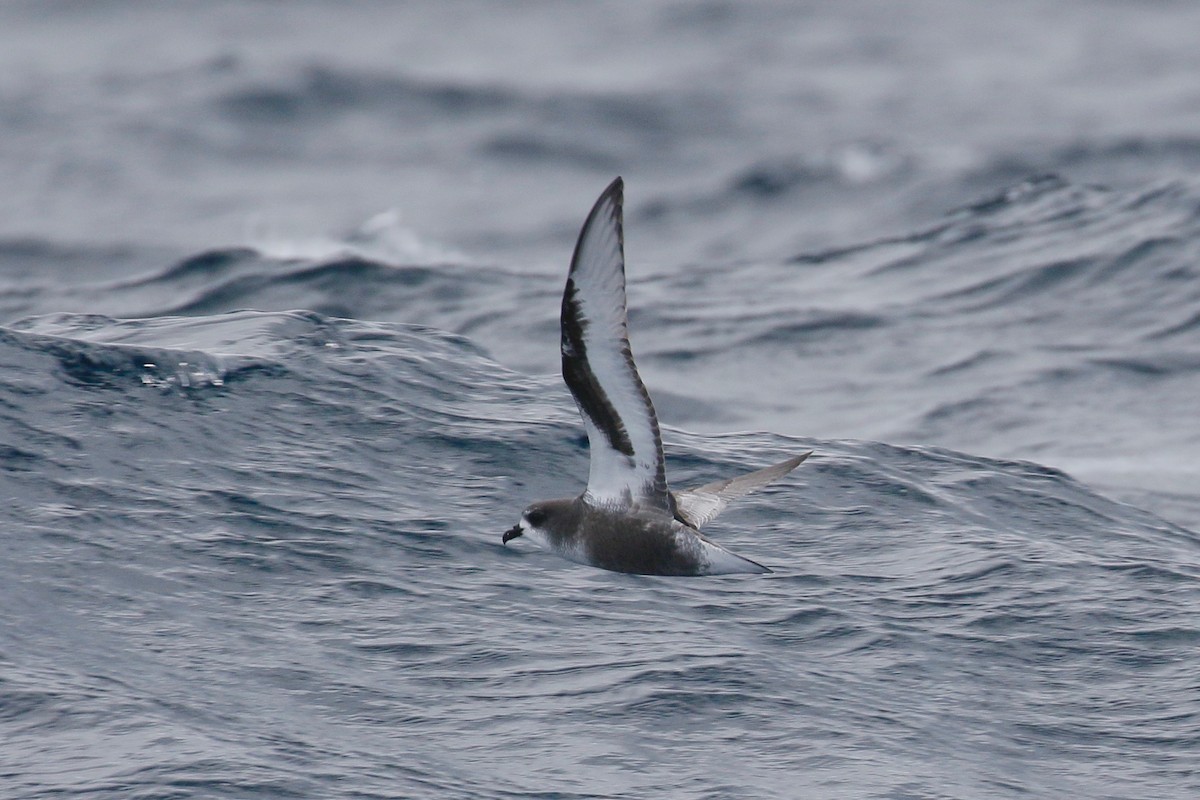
(626,447)
(699,506)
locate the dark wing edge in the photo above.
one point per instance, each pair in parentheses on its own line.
(598,366)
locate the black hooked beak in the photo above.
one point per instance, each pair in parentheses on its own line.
(512,533)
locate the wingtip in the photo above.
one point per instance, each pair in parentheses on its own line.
(794,462)
(613,197)
(615,191)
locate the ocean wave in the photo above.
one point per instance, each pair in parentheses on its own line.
(318,90)
(340,508)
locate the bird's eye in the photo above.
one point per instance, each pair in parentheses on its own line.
(536,517)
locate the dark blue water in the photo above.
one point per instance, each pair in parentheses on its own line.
(279,289)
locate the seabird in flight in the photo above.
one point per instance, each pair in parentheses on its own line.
(627,520)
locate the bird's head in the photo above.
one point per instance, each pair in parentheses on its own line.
(538,520)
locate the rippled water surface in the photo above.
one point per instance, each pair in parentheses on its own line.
(279,289)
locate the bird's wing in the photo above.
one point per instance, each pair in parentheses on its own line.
(626,447)
(701,505)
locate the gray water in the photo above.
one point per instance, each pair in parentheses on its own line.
(279,287)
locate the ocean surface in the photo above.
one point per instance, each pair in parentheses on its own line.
(279,293)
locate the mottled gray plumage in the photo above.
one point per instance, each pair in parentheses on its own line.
(627,520)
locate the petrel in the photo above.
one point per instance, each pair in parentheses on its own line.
(627,520)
